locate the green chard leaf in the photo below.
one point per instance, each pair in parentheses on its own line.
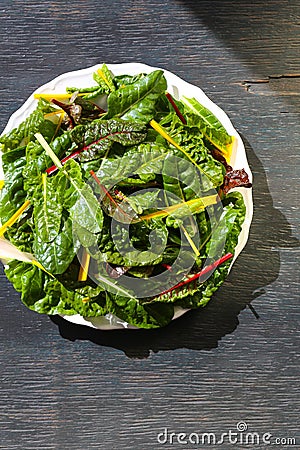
(140,169)
(37,161)
(86,301)
(208,123)
(146,245)
(25,131)
(137,101)
(84,207)
(13,194)
(86,212)
(145,161)
(47,211)
(227,233)
(152,315)
(46,295)
(96,138)
(122,80)
(144,200)
(27,279)
(104,78)
(20,234)
(90,92)
(56,299)
(57,255)
(188,137)
(74,196)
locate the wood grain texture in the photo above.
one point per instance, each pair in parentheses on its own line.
(67,387)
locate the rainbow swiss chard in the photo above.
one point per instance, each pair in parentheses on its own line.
(118,168)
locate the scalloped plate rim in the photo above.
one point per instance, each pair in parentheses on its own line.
(176,85)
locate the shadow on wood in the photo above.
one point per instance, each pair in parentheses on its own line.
(258,35)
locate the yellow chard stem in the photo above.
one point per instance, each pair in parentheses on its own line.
(53,113)
(48,150)
(107,80)
(39,265)
(84,268)
(57,96)
(61,118)
(14,217)
(229,148)
(8,252)
(165,135)
(102,75)
(200,202)
(83,273)
(168,138)
(1,184)
(44,182)
(12,252)
(190,241)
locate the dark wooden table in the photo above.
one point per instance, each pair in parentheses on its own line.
(237,360)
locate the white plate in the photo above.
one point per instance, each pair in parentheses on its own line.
(178,88)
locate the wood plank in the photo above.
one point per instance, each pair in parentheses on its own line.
(66,387)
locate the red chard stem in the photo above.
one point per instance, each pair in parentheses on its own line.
(202,272)
(170,98)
